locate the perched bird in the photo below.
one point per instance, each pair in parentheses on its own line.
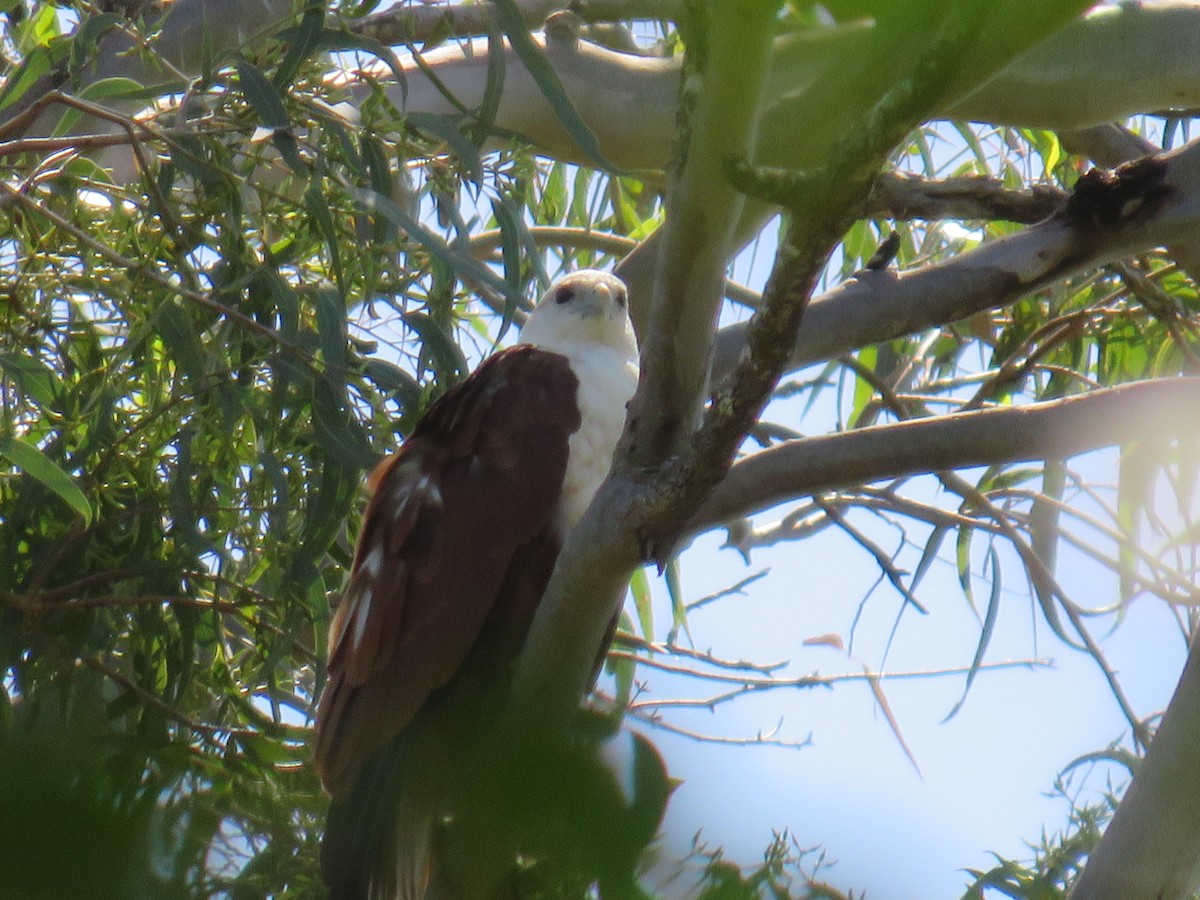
(460,537)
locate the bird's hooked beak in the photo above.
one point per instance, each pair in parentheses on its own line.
(600,303)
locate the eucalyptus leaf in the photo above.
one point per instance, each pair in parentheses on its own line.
(34,463)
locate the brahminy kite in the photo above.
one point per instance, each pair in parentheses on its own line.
(460,536)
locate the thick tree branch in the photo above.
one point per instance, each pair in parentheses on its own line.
(899,195)
(1093,71)
(1149,851)
(1054,429)
(880,306)
(592,574)
(1111,145)
(702,209)
(406,23)
(1098,70)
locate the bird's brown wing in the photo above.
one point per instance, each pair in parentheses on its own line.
(450,515)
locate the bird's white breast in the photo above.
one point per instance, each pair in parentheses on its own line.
(607,380)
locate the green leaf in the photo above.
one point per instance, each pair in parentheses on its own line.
(985,634)
(494,89)
(87,37)
(868,357)
(104,89)
(39,29)
(548,82)
(390,377)
(331,327)
(37,465)
(337,430)
(444,128)
(318,211)
(178,333)
(304,41)
(962,557)
(263,96)
(928,555)
(448,359)
(32,68)
(622,669)
(639,585)
(460,261)
(33,377)
(1043,522)
(679,620)
(510,249)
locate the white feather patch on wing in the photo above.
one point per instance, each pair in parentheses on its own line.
(362,614)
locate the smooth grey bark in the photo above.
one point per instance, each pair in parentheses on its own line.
(1054,429)
(1095,70)
(1151,849)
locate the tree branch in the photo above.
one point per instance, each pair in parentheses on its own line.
(186,36)
(1050,430)
(702,209)
(1090,72)
(1148,851)
(879,306)
(900,195)
(408,24)
(592,573)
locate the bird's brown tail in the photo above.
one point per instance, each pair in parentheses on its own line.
(377,838)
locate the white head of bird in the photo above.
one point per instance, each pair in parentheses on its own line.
(588,308)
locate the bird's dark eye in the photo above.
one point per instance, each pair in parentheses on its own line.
(621,299)
(564,295)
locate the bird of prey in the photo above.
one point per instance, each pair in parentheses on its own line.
(460,537)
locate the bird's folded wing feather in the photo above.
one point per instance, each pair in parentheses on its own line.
(479,479)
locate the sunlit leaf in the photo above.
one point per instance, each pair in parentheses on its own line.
(34,463)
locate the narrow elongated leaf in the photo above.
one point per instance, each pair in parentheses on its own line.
(1134,490)
(1043,520)
(34,463)
(985,634)
(331,327)
(97,91)
(928,555)
(32,68)
(33,377)
(962,557)
(447,357)
(340,434)
(510,249)
(548,82)
(464,148)
(263,96)
(318,211)
(304,40)
(886,708)
(672,574)
(459,260)
(639,586)
(622,669)
(494,89)
(179,336)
